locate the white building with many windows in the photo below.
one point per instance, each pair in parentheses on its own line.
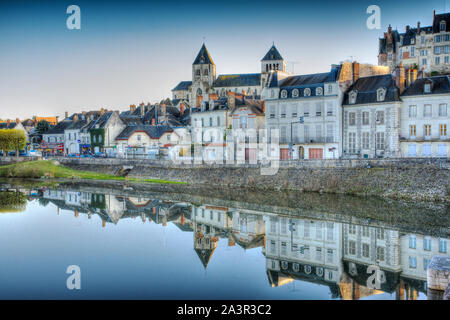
(425,118)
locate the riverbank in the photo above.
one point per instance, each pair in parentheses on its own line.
(52,169)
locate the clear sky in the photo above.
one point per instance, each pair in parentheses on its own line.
(133,51)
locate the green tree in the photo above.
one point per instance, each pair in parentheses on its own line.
(42,127)
(12,140)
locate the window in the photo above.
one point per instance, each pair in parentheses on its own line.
(330,88)
(319,91)
(283,134)
(427,130)
(423,53)
(197,72)
(427,243)
(210,121)
(306,111)
(446,59)
(283,93)
(352,247)
(351,119)
(437,38)
(330,255)
(443,110)
(272,112)
(437,50)
(380,140)
(443,245)
(446,49)
(426,262)
(427,88)
(272,246)
(283,248)
(365,117)
(437,60)
(365,231)
(330,133)
(139,137)
(412,51)
(443,130)
(412,131)
(352,97)
(380,253)
(352,229)
(412,241)
(352,142)
(422,39)
(306,128)
(306,229)
(295,93)
(447,37)
(283,111)
(319,254)
(380,117)
(330,108)
(380,234)
(307,92)
(412,262)
(318,109)
(365,250)
(441,26)
(412,111)
(427,110)
(381,94)
(319,231)
(218,121)
(424,62)
(294,111)
(365,140)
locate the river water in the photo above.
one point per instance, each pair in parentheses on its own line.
(131,244)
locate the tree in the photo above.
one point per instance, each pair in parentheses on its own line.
(42,127)
(167,102)
(12,139)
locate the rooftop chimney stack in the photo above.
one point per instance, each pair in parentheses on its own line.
(418,26)
(17,120)
(66,114)
(355,71)
(75,118)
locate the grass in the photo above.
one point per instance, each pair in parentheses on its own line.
(49,169)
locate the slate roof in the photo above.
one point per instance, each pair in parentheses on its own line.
(439,85)
(238,80)
(203,56)
(366,88)
(60,127)
(437,20)
(412,33)
(256,106)
(382,42)
(272,55)
(4,125)
(155,132)
(183,85)
(308,79)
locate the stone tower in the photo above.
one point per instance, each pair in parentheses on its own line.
(272,62)
(203,76)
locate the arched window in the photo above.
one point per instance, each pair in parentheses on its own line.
(295,93)
(197,72)
(381,94)
(284,94)
(307,92)
(319,91)
(205,73)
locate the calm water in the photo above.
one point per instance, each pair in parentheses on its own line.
(149,246)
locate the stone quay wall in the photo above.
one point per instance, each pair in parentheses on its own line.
(418,179)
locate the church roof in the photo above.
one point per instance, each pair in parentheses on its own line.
(183,85)
(203,56)
(205,255)
(272,55)
(238,80)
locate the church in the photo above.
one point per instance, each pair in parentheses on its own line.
(205,82)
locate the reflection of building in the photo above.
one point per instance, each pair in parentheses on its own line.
(303,249)
(248,230)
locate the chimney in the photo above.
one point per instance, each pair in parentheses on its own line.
(407,28)
(418,26)
(75,118)
(400,78)
(231,100)
(9,122)
(414,76)
(102,111)
(389,29)
(181,108)
(17,120)
(264,106)
(132,108)
(66,114)
(355,71)
(163,108)
(153,121)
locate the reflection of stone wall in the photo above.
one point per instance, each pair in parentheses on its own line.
(409,179)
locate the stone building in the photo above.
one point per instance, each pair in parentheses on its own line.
(424,49)
(371,118)
(425,118)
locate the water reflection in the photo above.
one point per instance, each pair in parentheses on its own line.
(332,252)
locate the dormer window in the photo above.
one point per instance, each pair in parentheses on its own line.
(352,97)
(295,93)
(427,88)
(283,94)
(442,26)
(381,94)
(307,92)
(319,91)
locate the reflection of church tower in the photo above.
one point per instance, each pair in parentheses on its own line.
(203,76)
(272,61)
(205,242)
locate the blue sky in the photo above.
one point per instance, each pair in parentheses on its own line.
(132,51)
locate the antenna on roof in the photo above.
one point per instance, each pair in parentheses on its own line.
(293,63)
(203,39)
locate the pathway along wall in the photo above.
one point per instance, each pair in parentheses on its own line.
(401,179)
